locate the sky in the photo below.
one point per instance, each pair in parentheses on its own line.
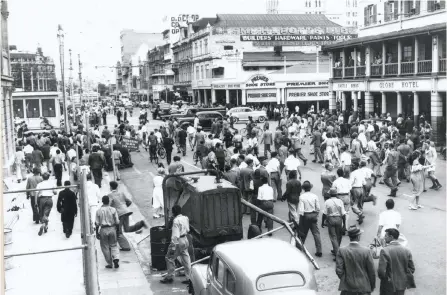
(92,27)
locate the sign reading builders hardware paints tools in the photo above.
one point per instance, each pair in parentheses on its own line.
(284,31)
(326,38)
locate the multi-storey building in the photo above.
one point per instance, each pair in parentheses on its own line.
(35,88)
(6,114)
(217,58)
(397,65)
(131,43)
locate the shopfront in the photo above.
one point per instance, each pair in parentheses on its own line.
(307,95)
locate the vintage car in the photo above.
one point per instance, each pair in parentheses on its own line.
(261,266)
(206,118)
(190,111)
(242,114)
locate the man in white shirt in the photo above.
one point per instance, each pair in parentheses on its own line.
(158,135)
(335,215)
(196,122)
(368,174)
(388,219)
(45,201)
(345,159)
(358,180)
(362,138)
(292,163)
(256,162)
(309,209)
(343,187)
(265,202)
(94,196)
(273,168)
(28,150)
(191,134)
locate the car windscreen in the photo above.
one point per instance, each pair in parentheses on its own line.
(280,281)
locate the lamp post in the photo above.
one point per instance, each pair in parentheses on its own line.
(60,37)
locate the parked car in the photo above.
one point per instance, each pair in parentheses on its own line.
(235,268)
(242,114)
(205,119)
(191,112)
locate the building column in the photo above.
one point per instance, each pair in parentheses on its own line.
(435,54)
(332,102)
(399,102)
(437,118)
(416,54)
(383,103)
(399,57)
(416,108)
(206,96)
(244,97)
(368,61)
(32,80)
(38,81)
(213,96)
(331,65)
(199,96)
(355,62)
(343,101)
(343,63)
(356,102)
(383,58)
(227,96)
(278,96)
(369,104)
(318,106)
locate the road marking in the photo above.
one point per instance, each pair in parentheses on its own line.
(136,170)
(184,162)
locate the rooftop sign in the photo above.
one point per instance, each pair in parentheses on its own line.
(284,31)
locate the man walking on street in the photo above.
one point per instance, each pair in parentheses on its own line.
(45,201)
(37,158)
(178,247)
(273,168)
(390,175)
(68,207)
(355,266)
(334,214)
(396,267)
(107,227)
(247,186)
(96,163)
(327,179)
(265,202)
(32,183)
(316,141)
(121,202)
(167,144)
(268,140)
(94,197)
(309,209)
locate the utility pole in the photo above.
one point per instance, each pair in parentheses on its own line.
(80,78)
(70,81)
(60,37)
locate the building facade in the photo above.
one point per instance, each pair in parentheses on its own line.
(6,113)
(397,66)
(35,88)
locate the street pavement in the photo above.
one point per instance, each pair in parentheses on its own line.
(425,229)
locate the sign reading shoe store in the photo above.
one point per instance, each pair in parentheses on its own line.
(260,81)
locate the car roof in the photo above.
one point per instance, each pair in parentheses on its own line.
(280,256)
(208,112)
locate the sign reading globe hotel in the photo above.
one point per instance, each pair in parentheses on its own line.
(292,36)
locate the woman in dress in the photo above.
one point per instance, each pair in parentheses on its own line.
(417,179)
(157,195)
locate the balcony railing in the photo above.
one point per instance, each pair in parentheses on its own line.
(376,70)
(349,71)
(424,66)
(407,68)
(391,69)
(337,72)
(360,71)
(442,64)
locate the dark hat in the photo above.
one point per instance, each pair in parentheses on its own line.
(354,231)
(332,191)
(307,185)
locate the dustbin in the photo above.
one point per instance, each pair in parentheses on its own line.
(160,240)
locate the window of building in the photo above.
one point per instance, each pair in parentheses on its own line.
(348,14)
(18,110)
(207,69)
(48,108)
(349,23)
(197,73)
(196,49)
(354,14)
(205,44)
(408,53)
(200,48)
(32,108)
(228,47)
(306,4)
(202,72)
(370,14)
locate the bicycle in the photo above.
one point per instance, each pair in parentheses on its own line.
(161,151)
(258,130)
(153,154)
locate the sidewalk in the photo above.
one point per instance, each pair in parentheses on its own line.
(62,272)
(42,274)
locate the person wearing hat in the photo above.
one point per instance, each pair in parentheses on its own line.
(396,266)
(309,209)
(334,216)
(355,266)
(367,186)
(292,163)
(157,194)
(327,179)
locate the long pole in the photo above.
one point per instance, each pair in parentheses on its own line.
(80,78)
(60,36)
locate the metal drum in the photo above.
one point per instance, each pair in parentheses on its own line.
(160,240)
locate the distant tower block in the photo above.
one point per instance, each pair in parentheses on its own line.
(272,6)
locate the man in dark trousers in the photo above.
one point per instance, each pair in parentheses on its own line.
(68,207)
(32,183)
(118,116)
(355,266)
(390,175)
(96,163)
(247,186)
(104,118)
(316,141)
(396,266)
(46,155)
(167,144)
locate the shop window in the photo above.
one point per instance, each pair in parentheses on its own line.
(17,106)
(408,53)
(228,47)
(32,108)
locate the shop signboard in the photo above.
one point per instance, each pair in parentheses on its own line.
(132,144)
(349,86)
(284,30)
(308,84)
(401,85)
(307,94)
(319,38)
(260,81)
(227,86)
(261,95)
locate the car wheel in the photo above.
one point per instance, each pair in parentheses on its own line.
(235,119)
(261,119)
